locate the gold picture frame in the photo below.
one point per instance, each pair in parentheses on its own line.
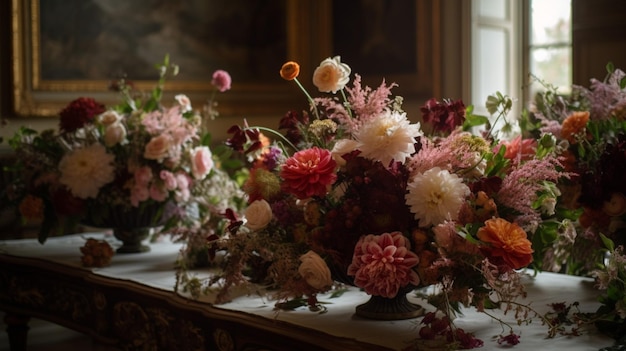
(39,90)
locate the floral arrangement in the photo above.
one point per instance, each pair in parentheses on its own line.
(353,191)
(590,129)
(139,156)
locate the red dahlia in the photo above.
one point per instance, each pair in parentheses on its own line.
(79,113)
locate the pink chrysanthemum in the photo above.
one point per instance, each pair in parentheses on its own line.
(382,264)
(309,173)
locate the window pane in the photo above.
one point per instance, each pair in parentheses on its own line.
(550,21)
(553,66)
(492,8)
(490,68)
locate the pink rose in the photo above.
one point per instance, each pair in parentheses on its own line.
(158,147)
(221,80)
(201,162)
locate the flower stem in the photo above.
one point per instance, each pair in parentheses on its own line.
(311,102)
(346,103)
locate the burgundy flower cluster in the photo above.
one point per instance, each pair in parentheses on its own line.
(444,116)
(79,113)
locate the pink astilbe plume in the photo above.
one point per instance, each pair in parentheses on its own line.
(368,103)
(365,102)
(519,189)
(448,153)
(603,96)
(429,156)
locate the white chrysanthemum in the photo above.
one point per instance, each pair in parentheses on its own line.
(389,137)
(436,196)
(84,171)
(342,147)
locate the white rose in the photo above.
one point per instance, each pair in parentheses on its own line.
(115,134)
(184,102)
(109,117)
(315,271)
(258,215)
(331,75)
(158,148)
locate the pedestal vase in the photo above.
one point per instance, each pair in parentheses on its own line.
(131,225)
(378,307)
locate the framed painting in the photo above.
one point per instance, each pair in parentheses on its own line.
(64,49)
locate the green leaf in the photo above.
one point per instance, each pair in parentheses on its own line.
(338,293)
(607,242)
(475,120)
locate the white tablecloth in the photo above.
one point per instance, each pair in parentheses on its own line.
(156,269)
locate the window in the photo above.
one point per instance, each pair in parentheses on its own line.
(512,42)
(550,44)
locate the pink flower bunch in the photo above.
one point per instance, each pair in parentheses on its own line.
(139,153)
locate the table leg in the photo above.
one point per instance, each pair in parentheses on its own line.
(17,329)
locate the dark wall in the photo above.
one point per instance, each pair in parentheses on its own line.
(5,58)
(598,29)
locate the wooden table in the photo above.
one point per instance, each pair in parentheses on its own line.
(132,304)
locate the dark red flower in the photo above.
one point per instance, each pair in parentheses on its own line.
(444,116)
(243,137)
(79,113)
(466,340)
(511,339)
(291,122)
(66,204)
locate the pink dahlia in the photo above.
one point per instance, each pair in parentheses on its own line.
(309,173)
(382,264)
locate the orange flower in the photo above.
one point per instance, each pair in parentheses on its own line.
(31,208)
(573,125)
(290,70)
(506,243)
